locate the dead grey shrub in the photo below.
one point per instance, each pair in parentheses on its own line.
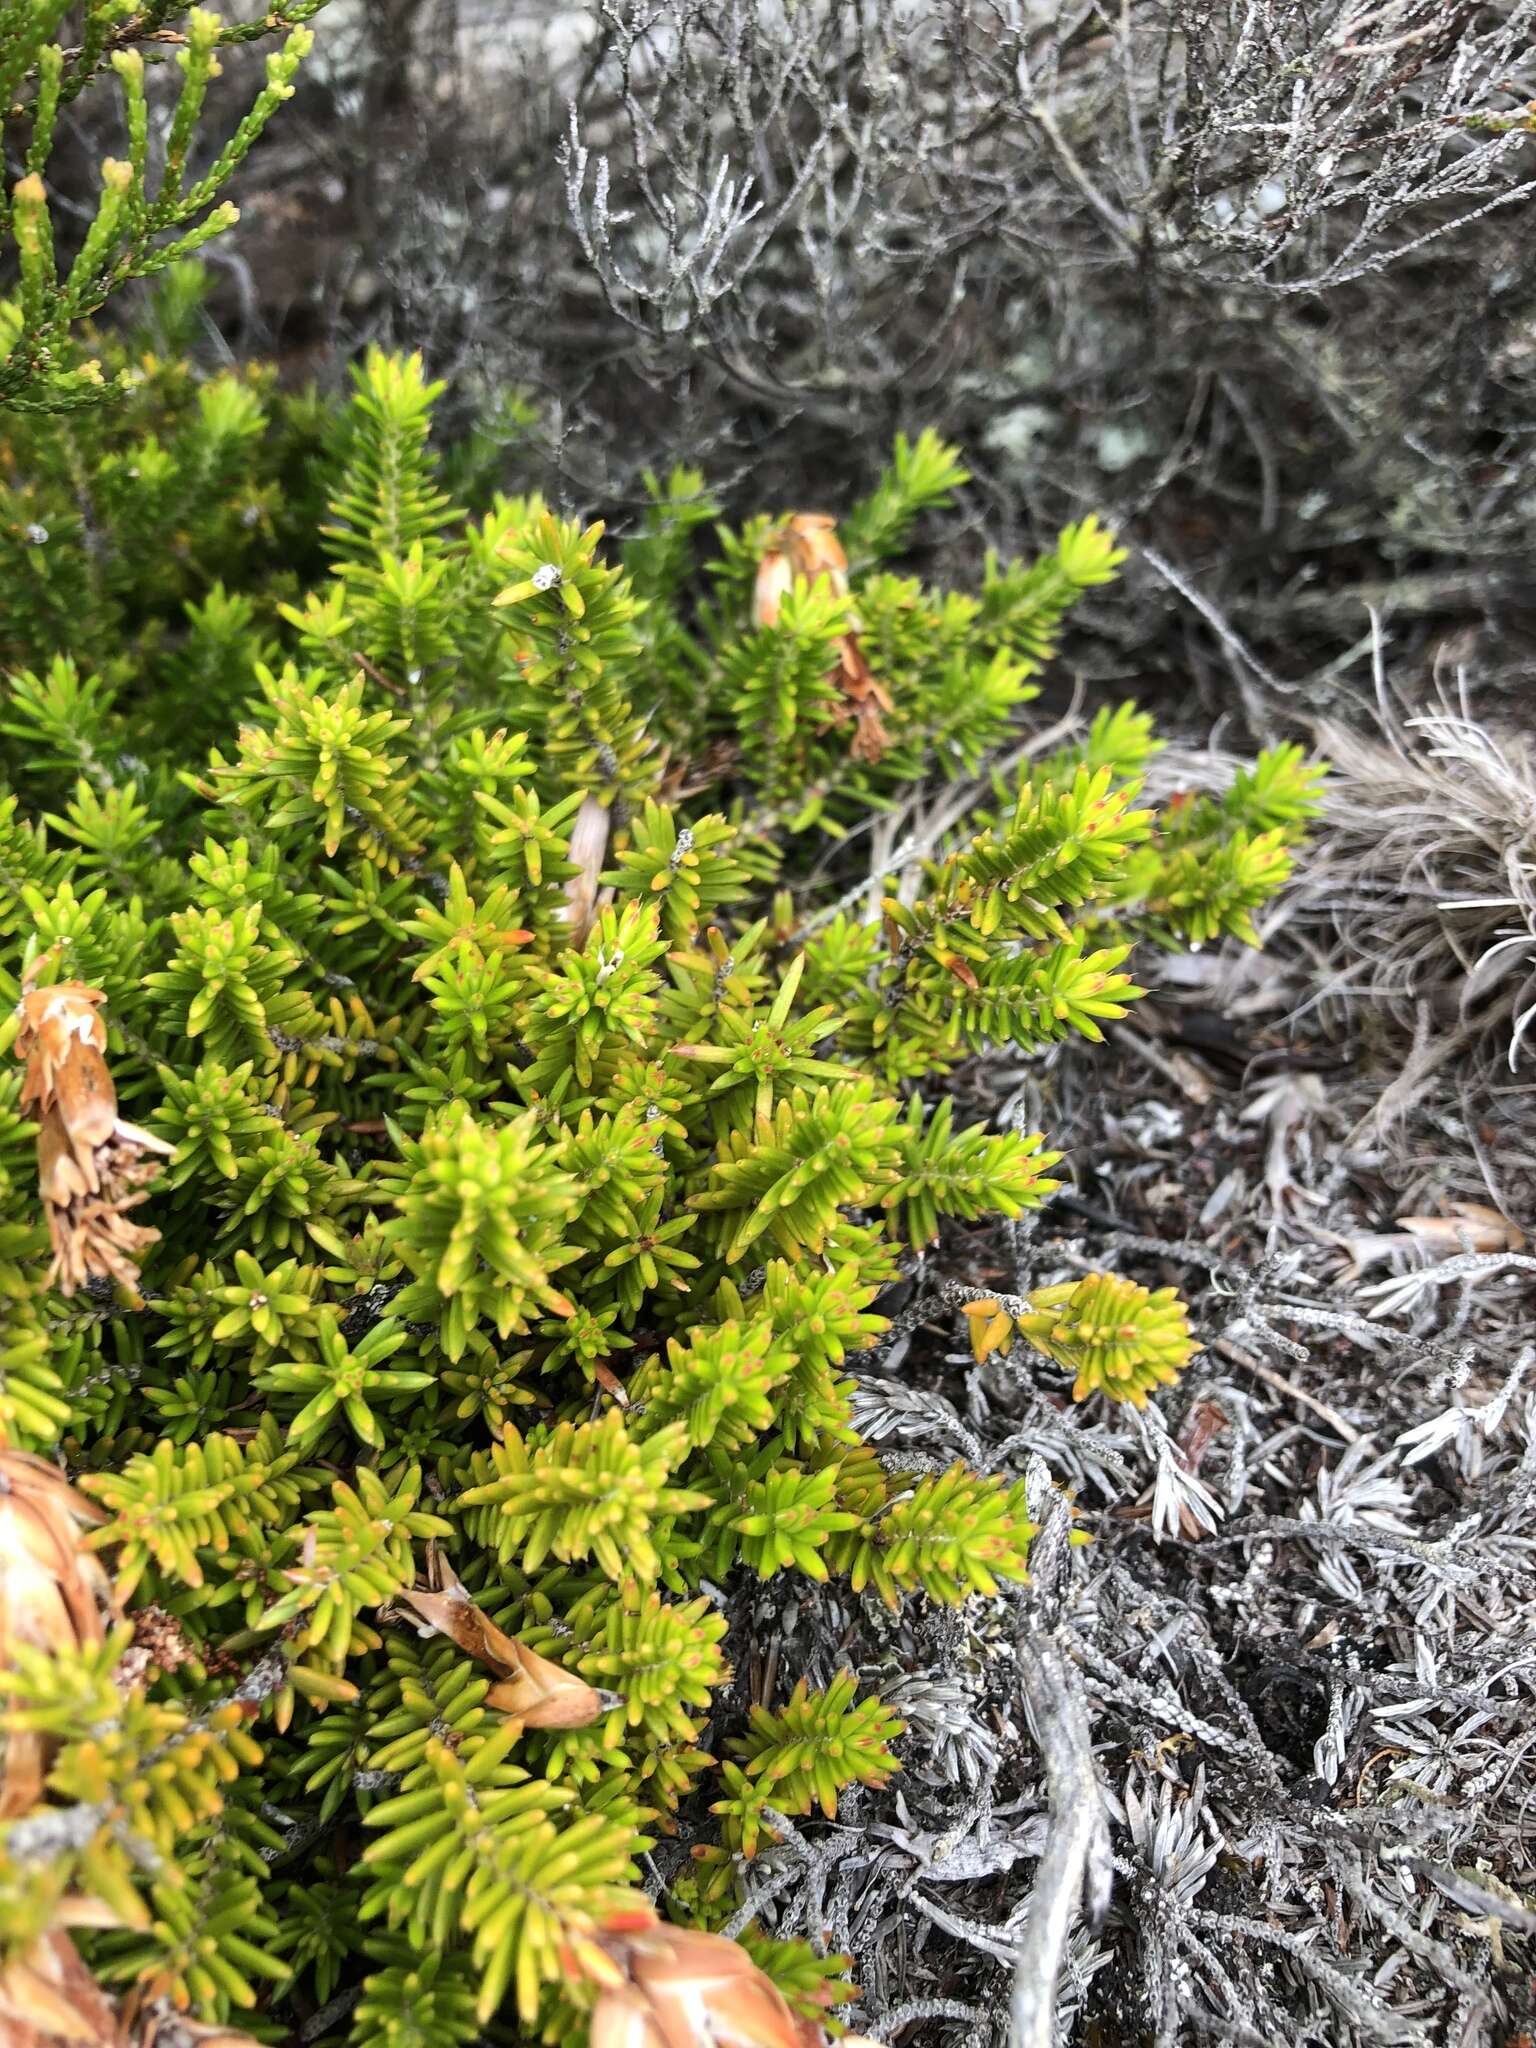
(1426,881)
(1249,276)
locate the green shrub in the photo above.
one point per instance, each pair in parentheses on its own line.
(150,212)
(547,1096)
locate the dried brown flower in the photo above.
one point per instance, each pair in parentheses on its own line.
(157,2025)
(92,1167)
(807,546)
(54,1595)
(159,1644)
(48,1996)
(676,1987)
(588,849)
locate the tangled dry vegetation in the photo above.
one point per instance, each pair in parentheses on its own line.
(1248,278)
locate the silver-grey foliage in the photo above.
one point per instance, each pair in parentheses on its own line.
(1280,1712)
(1256,278)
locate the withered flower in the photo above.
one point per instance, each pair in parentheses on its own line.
(92,1167)
(160,1643)
(54,1594)
(158,2025)
(49,1999)
(807,545)
(588,849)
(676,1987)
(48,1996)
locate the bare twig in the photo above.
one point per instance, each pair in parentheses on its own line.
(1335,1421)
(1075,1869)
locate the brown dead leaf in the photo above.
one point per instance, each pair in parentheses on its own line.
(542,1694)
(456,1616)
(1204,1423)
(610,1383)
(962,970)
(530,1688)
(1470,1227)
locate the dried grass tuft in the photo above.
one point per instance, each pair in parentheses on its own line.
(1423,889)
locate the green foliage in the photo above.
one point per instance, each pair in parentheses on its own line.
(126,1815)
(804,1753)
(111,609)
(1116,1337)
(553,1095)
(923,475)
(798,1758)
(427,2003)
(142,222)
(472,1846)
(950,1535)
(582,1490)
